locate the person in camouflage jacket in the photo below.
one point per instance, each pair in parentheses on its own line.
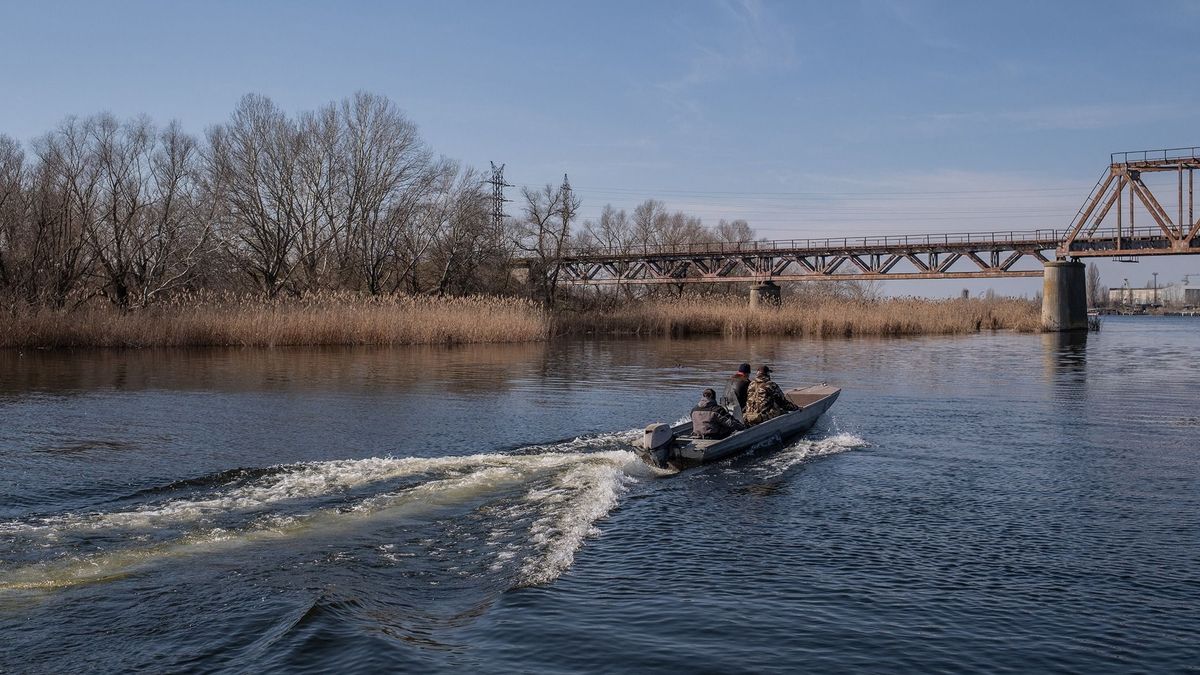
(765,400)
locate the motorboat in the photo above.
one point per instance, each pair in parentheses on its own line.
(667,446)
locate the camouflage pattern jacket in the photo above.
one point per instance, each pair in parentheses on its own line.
(765,400)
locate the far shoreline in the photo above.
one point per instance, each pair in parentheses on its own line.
(343,320)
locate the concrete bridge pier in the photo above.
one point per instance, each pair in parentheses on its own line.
(1064,296)
(765,294)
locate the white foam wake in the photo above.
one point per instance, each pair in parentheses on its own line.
(578,499)
(116,563)
(300,481)
(806,449)
(568,492)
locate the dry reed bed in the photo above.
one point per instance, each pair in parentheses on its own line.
(829,317)
(326,319)
(348,319)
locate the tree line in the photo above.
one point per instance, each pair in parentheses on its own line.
(345,197)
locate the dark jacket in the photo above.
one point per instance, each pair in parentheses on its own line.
(735,391)
(710,420)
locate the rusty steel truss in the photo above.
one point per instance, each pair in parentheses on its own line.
(1119,191)
(933,256)
(1092,233)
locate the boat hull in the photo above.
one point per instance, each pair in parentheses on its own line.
(685,451)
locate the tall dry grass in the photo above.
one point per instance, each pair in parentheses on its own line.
(351,319)
(321,319)
(827,317)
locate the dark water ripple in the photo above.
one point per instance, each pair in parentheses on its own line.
(997,503)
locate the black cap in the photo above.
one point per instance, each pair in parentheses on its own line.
(744,368)
(708,393)
(764,369)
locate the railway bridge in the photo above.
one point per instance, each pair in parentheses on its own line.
(1103,227)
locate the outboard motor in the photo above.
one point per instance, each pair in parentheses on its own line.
(657,442)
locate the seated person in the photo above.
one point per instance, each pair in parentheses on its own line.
(710,420)
(765,400)
(734,397)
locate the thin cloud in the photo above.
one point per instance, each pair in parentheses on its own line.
(810,205)
(1048,118)
(918,23)
(750,39)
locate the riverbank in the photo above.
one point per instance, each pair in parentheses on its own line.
(322,319)
(343,319)
(821,318)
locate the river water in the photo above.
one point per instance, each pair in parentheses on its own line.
(996,502)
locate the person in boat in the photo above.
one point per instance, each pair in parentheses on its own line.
(734,397)
(765,400)
(710,420)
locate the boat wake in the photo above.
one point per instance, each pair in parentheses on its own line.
(805,449)
(532,509)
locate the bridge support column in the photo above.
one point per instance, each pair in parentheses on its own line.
(766,294)
(1064,296)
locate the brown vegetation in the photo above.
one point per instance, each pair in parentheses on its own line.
(350,319)
(322,319)
(818,317)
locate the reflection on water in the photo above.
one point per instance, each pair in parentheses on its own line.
(1065,352)
(285,369)
(480,508)
(1065,358)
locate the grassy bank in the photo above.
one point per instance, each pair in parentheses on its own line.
(829,317)
(345,319)
(323,319)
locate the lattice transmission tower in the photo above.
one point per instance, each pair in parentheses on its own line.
(568,211)
(498,185)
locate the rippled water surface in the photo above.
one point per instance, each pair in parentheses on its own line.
(996,502)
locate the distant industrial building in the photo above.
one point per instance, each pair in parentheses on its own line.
(1167,295)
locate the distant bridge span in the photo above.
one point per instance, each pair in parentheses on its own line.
(1103,227)
(974,255)
(934,256)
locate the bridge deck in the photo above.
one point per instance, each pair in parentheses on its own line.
(1041,240)
(927,256)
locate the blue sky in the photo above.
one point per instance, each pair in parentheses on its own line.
(804,118)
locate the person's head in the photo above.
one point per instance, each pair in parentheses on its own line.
(708,395)
(744,369)
(764,371)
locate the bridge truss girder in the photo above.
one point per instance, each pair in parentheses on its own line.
(1119,191)
(800,266)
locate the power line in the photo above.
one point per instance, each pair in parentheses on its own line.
(701,193)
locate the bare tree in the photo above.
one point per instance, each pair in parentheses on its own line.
(543,234)
(63,203)
(12,209)
(121,155)
(175,236)
(466,238)
(535,235)
(647,218)
(614,231)
(1095,299)
(734,231)
(252,158)
(388,171)
(315,191)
